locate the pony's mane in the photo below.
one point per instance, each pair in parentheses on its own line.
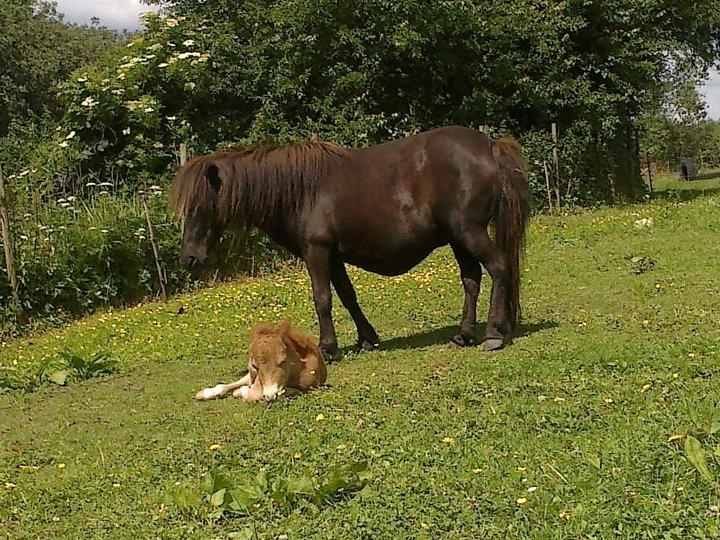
(250,186)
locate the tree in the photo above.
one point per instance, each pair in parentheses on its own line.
(365,71)
(38,50)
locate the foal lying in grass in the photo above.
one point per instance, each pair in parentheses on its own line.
(282,362)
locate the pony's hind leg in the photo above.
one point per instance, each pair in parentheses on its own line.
(367,336)
(477,243)
(471,275)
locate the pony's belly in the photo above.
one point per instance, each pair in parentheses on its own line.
(391,262)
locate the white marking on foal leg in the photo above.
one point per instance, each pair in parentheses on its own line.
(223,389)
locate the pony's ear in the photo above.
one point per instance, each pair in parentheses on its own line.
(213,177)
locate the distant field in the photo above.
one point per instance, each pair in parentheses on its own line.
(671,182)
(600,421)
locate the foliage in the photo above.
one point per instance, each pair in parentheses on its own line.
(677,127)
(584,417)
(38,50)
(74,254)
(358,73)
(367,71)
(80,368)
(223,498)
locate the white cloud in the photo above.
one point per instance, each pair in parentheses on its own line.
(712,94)
(116,14)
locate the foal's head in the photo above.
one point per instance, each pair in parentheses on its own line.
(273,358)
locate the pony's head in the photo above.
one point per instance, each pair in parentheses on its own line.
(194,197)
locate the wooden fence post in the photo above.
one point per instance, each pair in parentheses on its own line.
(547,186)
(158,266)
(649,166)
(183,154)
(7,240)
(556,162)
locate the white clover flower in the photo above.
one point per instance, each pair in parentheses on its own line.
(190,86)
(64,144)
(121,76)
(23,237)
(70,135)
(89,102)
(163,65)
(82,79)
(148,109)
(126,131)
(189,42)
(171,118)
(158,145)
(170,22)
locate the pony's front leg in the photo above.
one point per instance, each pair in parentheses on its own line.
(367,336)
(223,389)
(317,259)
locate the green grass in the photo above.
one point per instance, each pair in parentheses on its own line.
(710,180)
(609,365)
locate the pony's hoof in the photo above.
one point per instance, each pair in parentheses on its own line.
(462,341)
(493,344)
(365,345)
(330,354)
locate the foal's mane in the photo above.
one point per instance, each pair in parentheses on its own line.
(251,186)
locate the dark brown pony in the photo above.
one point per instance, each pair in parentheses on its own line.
(383,209)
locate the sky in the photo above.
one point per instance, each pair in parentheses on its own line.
(115,14)
(119,14)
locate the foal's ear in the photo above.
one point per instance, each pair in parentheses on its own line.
(213,177)
(285,326)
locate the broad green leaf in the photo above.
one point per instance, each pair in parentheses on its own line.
(218,498)
(715,425)
(59,377)
(696,455)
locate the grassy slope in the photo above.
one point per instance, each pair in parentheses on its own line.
(632,356)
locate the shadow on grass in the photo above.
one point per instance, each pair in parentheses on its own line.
(441,336)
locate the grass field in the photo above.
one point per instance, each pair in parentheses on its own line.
(601,420)
(708,181)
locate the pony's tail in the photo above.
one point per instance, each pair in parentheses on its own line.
(513,209)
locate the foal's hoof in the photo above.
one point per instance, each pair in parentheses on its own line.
(493,344)
(366,345)
(462,341)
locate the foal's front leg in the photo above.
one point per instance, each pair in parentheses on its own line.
(221,390)
(317,259)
